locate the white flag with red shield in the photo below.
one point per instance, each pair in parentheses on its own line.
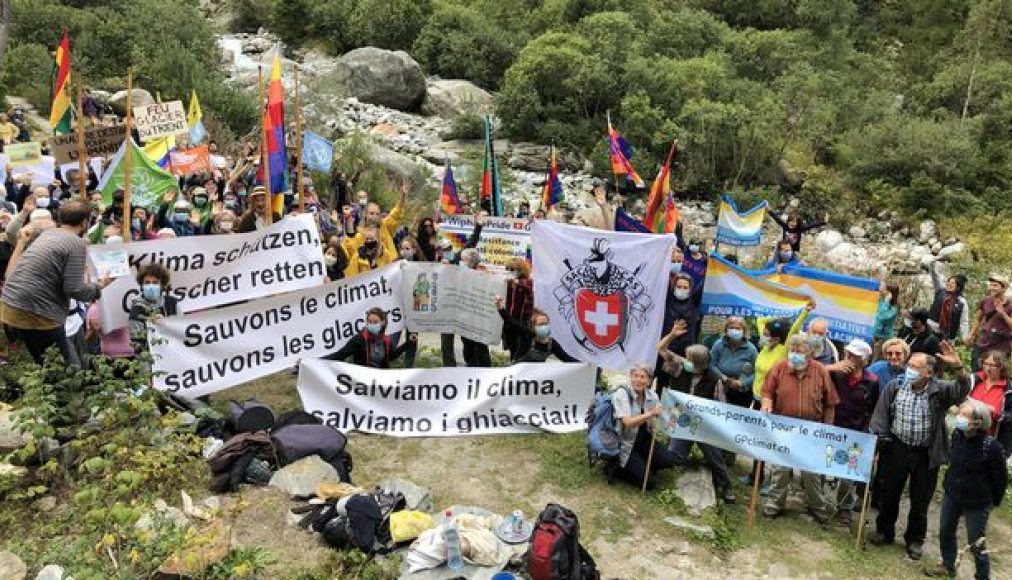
(604,291)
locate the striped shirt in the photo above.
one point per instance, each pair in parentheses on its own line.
(48,275)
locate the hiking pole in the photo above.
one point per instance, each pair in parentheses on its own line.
(865,501)
(650,458)
(755,493)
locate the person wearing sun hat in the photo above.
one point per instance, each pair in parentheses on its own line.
(992,325)
(255,217)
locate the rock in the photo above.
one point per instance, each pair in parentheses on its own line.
(385,130)
(828,239)
(857,232)
(206,548)
(382,77)
(917,253)
(299,479)
(12,470)
(12,567)
(10,438)
(682,524)
(949,252)
(450,98)
(46,504)
(950,241)
(140,98)
(453,150)
(849,257)
(695,488)
(928,229)
(936,247)
(417,497)
(528,156)
(398,167)
(941,270)
(50,572)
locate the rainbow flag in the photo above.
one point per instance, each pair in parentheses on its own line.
(553,185)
(662,214)
(737,228)
(490,174)
(274,129)
(448,199)
(621,152)
(60,111)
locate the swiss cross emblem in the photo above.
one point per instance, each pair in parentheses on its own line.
(602,318)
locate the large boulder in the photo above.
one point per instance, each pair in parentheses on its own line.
(139,98)
(398,167)
(847,257)
(12,567)
(10,437)
(827,240)
(949,252)
(382,77)
(450,98)
(928,229)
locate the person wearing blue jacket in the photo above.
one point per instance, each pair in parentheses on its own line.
(784,256)
(733,357)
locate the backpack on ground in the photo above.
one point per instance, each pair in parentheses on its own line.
(555,552)
(295,441)
(604,442)
(250,416)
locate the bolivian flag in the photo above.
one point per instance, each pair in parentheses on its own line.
(60,113)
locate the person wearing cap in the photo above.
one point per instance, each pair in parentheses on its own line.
(183,220)
(858,391)
(773,336)
(799,387)
(918,332)
(256,216)
(992,326)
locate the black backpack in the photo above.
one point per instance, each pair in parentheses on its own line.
(555,552)
(295,441)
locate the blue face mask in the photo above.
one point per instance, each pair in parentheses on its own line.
(786,256)
(735,334)
(151,292)
(688,367)
(542,330)
(373,328)
(911,376)
(676,267)
(796,359)
(961,423)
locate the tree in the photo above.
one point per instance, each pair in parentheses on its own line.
(391,24)
(459,42)
(6,14)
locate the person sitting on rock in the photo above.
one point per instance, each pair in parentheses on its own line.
(635,412)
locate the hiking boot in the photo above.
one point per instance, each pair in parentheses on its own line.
(876,538)
(727,494)
(940,570)
(915,550)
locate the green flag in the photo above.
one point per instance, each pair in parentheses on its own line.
(148,182)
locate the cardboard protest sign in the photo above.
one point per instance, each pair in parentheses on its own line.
(23,154)
(204,352)
(98,142)
(784,441)
(502,239)
(190,161)
(209,271)
(444,402)
(160,120)
(447,299)
(41,172)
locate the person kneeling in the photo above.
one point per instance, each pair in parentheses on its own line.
(373,347)
(634,413)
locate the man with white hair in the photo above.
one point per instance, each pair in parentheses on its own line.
(799,387)
(823,349)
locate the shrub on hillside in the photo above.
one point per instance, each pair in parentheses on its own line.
(390,24)
(459,42)
(26,71)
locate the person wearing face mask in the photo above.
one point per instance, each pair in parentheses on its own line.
(694,261)
(974,484)
(992,326)
(535,342)
(990,386)
(734,358)
(45,276)
(446,255)
(154,302)
(385,226)
(519,305)
(909,421)
(918,333)
(799,387)
(223,223)
(368,255)
(693,374)
(681,316)
(335,260)
(784,256)
(372,347)
(773,336)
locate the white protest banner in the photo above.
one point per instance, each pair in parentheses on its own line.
(41,172)
(95,163)
(784,441)
(501,240)
(208,271)
(443,402)
(604,291)
(204,352)
(160,120)
(98,142)
(449,299)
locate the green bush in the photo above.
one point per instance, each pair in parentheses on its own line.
(467,126)
(459,42)
(250,15)
(27,69)
(391,24)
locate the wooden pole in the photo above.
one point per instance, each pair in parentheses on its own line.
(755,493)
(865,502)
(298,146)
(82,152)
(650,459)
(128,155)
(265,156)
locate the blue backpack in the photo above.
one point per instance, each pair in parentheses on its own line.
(604,442)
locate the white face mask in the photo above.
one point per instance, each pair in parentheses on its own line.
(330,260)
(42,202)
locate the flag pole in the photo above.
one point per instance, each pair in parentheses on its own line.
(613,174)
(127,155)
(265,154)
(755,494)
(298,144)
(82,153)
(864,503)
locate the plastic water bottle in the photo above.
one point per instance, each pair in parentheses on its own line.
(451,537)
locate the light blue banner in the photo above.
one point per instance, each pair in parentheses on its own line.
(794,443)
(317,152)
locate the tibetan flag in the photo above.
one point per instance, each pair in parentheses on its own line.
(60,111)
(490,192)
(620,153)
(274,129)
(553,186)
(148,182)
(449,202)
(194,119)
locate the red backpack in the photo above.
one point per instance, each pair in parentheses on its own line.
(555,552)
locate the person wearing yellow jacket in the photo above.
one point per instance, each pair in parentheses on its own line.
(773,335)
(373,245)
